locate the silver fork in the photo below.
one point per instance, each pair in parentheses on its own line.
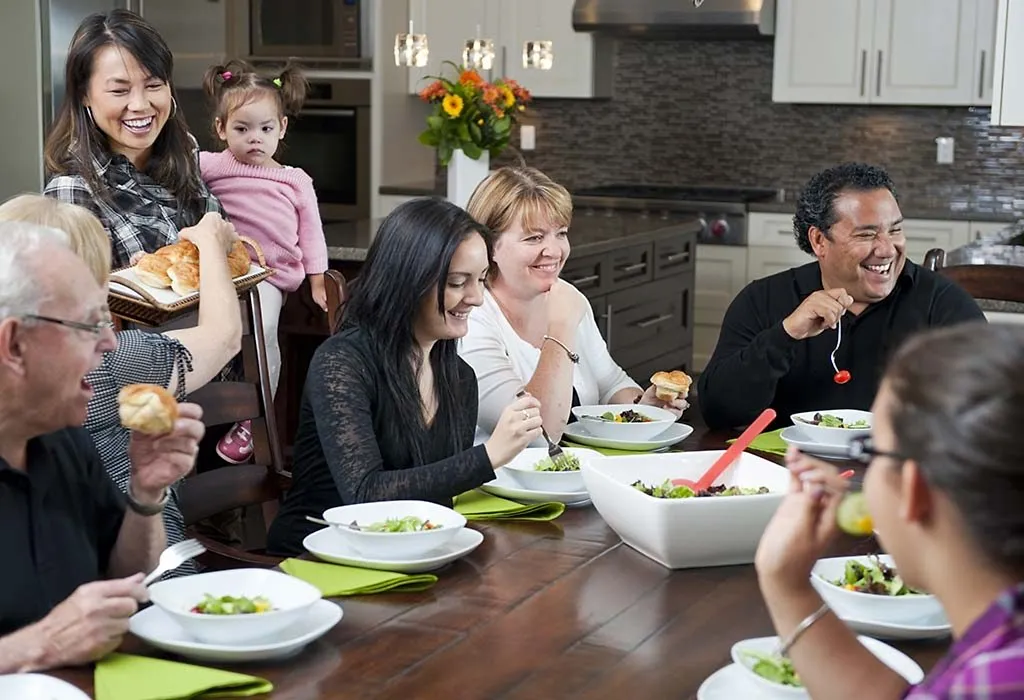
(173,557)
(839,339)
(555,453)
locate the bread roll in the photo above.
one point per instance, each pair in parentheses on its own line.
(669,386)
(151,270)
(180,252)
(184,278)
(238,260)
(147,408)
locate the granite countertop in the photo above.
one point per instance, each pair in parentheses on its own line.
(589,234)
(923,209)
(424,188)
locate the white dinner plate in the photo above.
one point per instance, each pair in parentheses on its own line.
(730,683)
(793,436)
(505,486)
(326,545)
(677,432)
(38,686)
(934,627)
(161,631)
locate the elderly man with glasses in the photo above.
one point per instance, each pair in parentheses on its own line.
(74,546)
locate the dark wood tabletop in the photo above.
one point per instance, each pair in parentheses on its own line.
(539,610)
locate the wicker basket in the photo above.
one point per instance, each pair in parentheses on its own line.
(149,311)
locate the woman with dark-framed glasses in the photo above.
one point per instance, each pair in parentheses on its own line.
(944,486)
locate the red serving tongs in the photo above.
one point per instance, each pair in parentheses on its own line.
(731,454)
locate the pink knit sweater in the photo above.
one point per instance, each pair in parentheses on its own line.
(277,208)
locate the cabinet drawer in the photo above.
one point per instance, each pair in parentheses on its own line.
(630,266)
(924,234)
(675,255)
(770,229)
(680,358)
(587,274)
(649,321)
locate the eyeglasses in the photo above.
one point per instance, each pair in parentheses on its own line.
(93,328)
(861,449)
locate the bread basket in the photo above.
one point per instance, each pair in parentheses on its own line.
(133,301)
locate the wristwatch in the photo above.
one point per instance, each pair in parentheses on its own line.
(146,509)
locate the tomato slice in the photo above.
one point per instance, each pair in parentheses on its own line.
(842,376)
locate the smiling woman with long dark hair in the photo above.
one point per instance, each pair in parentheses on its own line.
(389,409)
(120,146)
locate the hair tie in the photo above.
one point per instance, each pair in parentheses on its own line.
(226,75)
(277,82)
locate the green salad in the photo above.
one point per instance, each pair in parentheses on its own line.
(776,669)
(874,577)
(828,420)
(409,523)
(230,605)
(669,490)
(568,463)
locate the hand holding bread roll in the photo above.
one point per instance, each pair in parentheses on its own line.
(147,408)
(669,386)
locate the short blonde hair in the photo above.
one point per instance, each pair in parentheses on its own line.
(517,194)
(86,235)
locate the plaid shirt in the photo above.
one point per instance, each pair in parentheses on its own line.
(140,216)
(987,662)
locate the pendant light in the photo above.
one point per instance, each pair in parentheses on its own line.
(411,49)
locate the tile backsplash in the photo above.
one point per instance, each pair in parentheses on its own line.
(701,112)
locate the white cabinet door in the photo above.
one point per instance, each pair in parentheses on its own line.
(984,52)
(720,275)
(195,31)
(771,229)
(448,24)
(822,50)
(1008,85)
(572,71)
(924,52)
(763,261)
(924,234)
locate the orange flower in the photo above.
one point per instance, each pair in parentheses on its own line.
(491,95)
(432,91)
(470,78)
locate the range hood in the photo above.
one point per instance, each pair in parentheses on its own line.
(679,19)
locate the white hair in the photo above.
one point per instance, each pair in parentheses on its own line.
(22,288)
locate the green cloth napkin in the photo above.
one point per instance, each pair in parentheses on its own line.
(609,451)
(128,677)
(336,580)
(768,442)
(477,505)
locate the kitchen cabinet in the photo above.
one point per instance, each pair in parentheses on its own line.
(763,261)
(911,52)
(386,203)
(720,275)
(770,229)
(984,229)
(1008,89)
(924,234)
(195,31)
(581,67)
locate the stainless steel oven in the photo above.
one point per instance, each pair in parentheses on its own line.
(330,140)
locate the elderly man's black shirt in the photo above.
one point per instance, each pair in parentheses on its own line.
(59,521)
(757,365)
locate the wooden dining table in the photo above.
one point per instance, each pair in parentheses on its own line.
(559,609)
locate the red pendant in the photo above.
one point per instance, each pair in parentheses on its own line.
(842,376)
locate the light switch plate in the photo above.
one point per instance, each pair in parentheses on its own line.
(527,137)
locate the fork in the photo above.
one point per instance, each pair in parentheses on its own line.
(173,557)
(839,339)
(555,453)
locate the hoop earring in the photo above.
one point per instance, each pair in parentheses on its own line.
(88,110)
(174,107)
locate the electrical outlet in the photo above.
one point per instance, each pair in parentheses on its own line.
(527,137)
(944,150)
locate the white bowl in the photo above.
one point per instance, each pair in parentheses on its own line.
(661,419)
(909,608)
(690,532)
(832,436)
(893,658)
(290,597)
(523,470)
(394,545)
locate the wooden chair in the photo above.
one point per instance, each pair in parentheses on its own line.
(337,295)
(994,282)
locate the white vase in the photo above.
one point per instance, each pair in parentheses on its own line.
(464,174)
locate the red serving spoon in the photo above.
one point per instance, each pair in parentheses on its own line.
(731,454)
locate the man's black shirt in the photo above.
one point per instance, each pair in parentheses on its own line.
(757,365)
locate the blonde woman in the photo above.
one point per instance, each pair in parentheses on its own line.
(181,360)
(535,330)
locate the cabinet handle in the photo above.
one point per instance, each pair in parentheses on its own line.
(676,257)
(635,267)
(878,83)
(648,322)
(981,77)
(863,69)
(588,280)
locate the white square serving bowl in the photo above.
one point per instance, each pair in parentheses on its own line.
(902,609)
(832,436)
(394,545)
(290,599)
(687,532)
(661,420)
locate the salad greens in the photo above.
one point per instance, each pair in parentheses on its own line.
(410,523)
(669,490)
(627,416)
(828,420)
(776,669)
(873,577)
(230,605)
(568,463)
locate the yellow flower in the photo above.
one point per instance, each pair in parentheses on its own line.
(480,122)
(452,105)
(506,93)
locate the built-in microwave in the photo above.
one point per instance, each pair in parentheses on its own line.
(307,30)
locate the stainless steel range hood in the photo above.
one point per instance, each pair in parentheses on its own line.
(682,19)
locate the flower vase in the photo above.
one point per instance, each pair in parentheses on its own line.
(464,174)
